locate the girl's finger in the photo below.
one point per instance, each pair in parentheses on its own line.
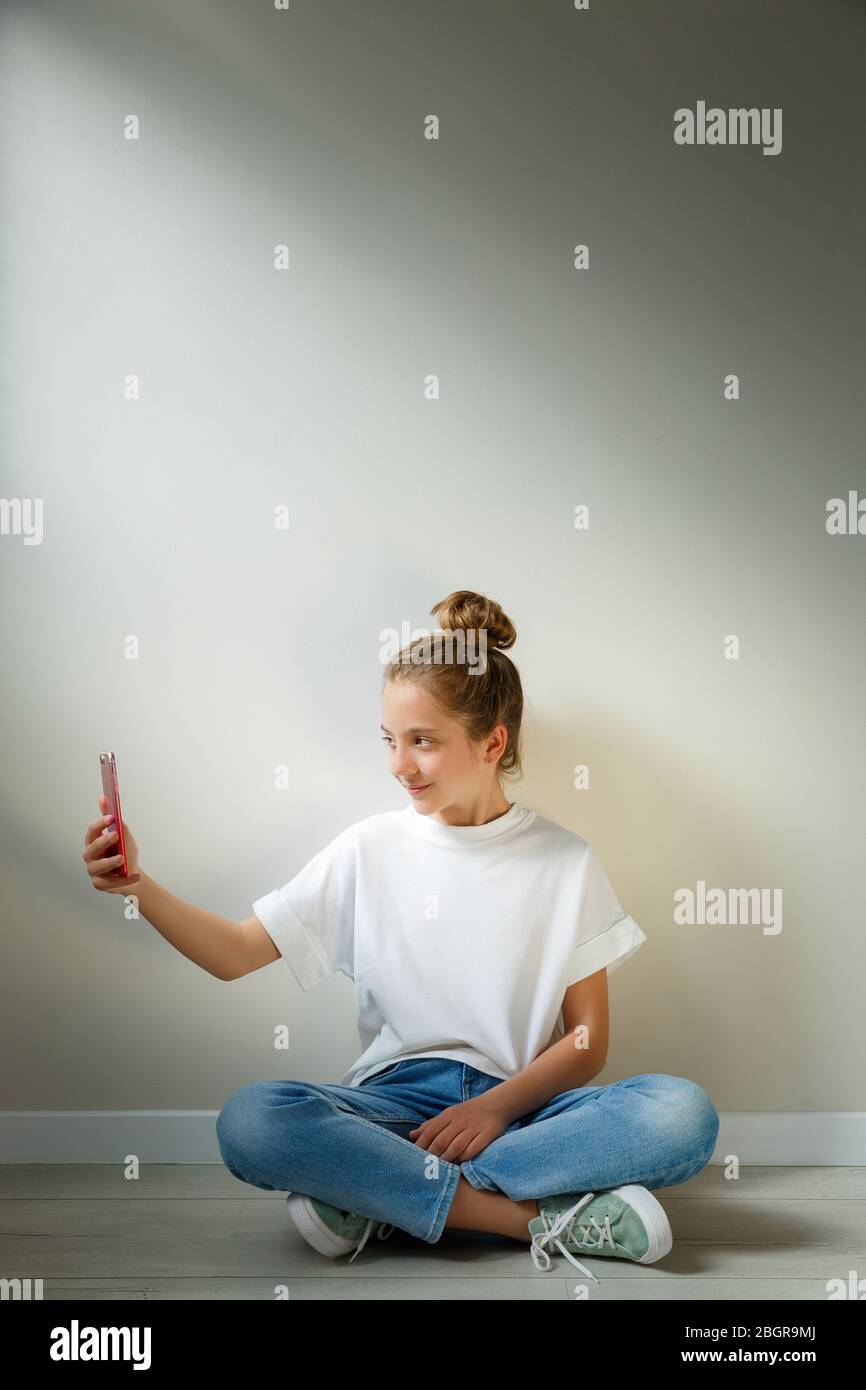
(96,830)
(100,865)
(97,839)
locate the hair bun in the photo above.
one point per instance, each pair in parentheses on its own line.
(466,609)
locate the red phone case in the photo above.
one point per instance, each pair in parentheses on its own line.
(108,767)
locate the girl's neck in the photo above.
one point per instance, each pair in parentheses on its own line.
(477,811)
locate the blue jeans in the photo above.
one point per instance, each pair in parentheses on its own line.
(348,1145)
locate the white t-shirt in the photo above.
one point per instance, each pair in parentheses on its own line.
(461,940)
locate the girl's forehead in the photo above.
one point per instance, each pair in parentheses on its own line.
(409,703)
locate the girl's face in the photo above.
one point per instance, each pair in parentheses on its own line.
(429,750)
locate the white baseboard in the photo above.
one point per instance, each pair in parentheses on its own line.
(788,1138)
(107,1136)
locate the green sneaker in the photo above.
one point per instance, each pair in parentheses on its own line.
(331,1231)
(624,1222)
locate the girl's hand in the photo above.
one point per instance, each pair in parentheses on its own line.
(100,856)
(463,1130)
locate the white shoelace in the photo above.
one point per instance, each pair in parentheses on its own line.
(383,1232)
(565,1222)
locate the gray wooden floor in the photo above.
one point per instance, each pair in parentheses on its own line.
(192,1231)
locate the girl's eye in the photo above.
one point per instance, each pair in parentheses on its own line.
(385,739)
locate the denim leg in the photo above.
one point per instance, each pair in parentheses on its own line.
(651,1129)
(345,1145)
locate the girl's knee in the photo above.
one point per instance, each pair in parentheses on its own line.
(241,1117)
(698,1113)
(690,1108)
(253,1111)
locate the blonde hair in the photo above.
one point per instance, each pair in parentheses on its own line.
(478,699)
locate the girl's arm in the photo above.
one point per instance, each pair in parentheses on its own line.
(215,943)
(223,948)
(586,1003)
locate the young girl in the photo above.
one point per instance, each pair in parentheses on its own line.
(478,934)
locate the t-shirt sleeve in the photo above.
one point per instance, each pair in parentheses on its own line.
(311,919)
(605,935)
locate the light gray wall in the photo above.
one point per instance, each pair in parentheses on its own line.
(305,387)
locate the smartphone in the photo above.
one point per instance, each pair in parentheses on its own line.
(108,767)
